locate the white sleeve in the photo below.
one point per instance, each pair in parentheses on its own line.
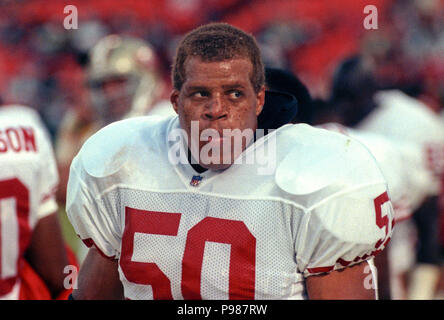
(92,220)
(344,229)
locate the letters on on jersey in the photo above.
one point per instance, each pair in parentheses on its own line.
(28,180)
(17,139)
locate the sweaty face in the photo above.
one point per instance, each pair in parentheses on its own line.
(218,101)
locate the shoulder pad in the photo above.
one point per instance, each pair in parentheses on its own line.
(105,152)
(322,159)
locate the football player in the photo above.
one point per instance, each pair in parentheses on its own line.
(417,132)
(167,217)
(33,255)
(124,79)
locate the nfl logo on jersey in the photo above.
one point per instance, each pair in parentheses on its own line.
(195,181)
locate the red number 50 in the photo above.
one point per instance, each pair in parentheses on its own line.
(382,221)
(242,260)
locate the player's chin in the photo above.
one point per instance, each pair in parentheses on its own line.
(216,163)
(220,160)
(216,167)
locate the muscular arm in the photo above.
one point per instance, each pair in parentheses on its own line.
(47,254)
(98,279)
(348,283)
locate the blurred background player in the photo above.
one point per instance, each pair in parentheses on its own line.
(124,80)
(386,155)
(33,254)
(417,133)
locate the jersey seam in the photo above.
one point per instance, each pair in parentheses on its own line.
(110,189)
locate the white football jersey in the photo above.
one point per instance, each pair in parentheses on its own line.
(406,121)
(390,161)
(311,201)
(28,181)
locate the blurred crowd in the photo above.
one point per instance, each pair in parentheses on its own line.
(42,63)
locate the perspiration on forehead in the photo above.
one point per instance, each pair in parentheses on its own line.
(218,42)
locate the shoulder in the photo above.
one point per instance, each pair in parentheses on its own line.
(18,109)
(397,98)
(405,107)
(338,181)
(381,147)
(21,115)
(105,152)
(317,158)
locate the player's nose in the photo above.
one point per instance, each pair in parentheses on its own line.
(216,108)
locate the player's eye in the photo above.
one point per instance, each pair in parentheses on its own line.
(201,94)
(235,94)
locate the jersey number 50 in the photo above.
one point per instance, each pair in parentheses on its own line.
(233,232)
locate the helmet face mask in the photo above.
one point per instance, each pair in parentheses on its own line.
(112,98)
(123,78)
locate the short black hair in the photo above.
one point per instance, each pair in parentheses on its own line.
(218,42)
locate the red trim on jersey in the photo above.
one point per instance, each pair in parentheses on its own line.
(343,262)
(346,263)
(320,269)
(90,242)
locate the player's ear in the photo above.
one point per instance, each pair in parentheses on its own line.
(174,98)
(260,100)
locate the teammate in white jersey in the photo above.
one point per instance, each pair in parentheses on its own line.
(388,158)
(418,134)
(167,217)
(31,244)
(401,258)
